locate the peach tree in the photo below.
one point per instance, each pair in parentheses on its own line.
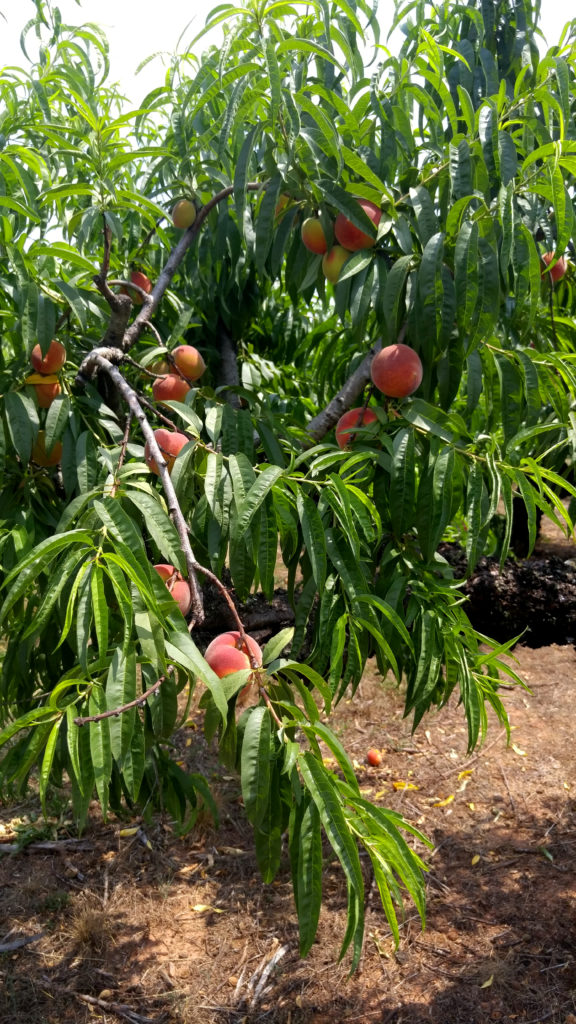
(452,163)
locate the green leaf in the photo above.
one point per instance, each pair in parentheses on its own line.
(255,765)
(306,858)
(181,649)
(313,533)
(100,749)
(120,690)
(22,422)
(403,481)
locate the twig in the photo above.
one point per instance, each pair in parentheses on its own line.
(24,940)
(270,707)
(124,707)
(44,845)
(466,764)
(510,797)
(122,456)
(120,1009)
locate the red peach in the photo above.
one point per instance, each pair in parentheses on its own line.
(374,757)
(558,270)
(226,653)
(181,593)
(139,279)
(165,571)
(170,389)
(184,214)
(333,262)
(39,454)
(189,361)
(53,360)
(170,443)
(349,423)
(397,370)
(349,235)
(313,236)
(46,393)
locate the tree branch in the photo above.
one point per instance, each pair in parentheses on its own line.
(124,707)
(354,386)
(98,360)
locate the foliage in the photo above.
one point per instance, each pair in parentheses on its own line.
(465,140)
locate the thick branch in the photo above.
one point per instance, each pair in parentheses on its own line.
(354,386)
(98,360)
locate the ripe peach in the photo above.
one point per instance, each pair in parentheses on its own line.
(349,423)
(53,360)
(165,571)
(333,262)
(170,389)
(397,370)
(178,587)
(46,393)
(189,361)
(558,270)
(170,443)
(139,279)
(349,235)
(183,214)
(374,757)
(226,653)
(39,454)
(313,236)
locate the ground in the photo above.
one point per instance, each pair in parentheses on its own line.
(146,926)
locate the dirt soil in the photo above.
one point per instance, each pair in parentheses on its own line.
(140,925)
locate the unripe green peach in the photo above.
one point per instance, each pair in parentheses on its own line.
(333,262)
(183,214)
(313,237)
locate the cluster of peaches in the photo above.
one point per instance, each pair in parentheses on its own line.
(396,371)
(350,239)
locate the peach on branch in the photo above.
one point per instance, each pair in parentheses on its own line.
(53,360)
(183,214)
(171,388)
(397,370)
(170,443)
(189,361)
(227,654)
(41,456)
(46,393)
(557,272)
(177,587)
(313,236)
(141,281)
(350,422)
(349,235)
(333,262)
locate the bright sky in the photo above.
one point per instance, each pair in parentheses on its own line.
(137,28)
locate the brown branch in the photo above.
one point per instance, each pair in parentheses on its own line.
(354,386)
(174,260)
(122,457)
(123,707)
(96,360)
(225,593)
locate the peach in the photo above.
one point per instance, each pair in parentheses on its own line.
(139,279)
(349,423)
(53,360)
(42,457)
(374,757)
(333,262)
(349,235)
(170,389)
(178,587)
(397,370)
(170,443)
(189,361)
(558,270)
(283,202)
(183,214)
(162,367)
(226,654)
(313,236)
(46,393)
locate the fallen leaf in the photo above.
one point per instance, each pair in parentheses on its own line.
(202,908)
(444,803)
(516,749)
(124,832)
(399,784)
(475,859)
(486,984)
